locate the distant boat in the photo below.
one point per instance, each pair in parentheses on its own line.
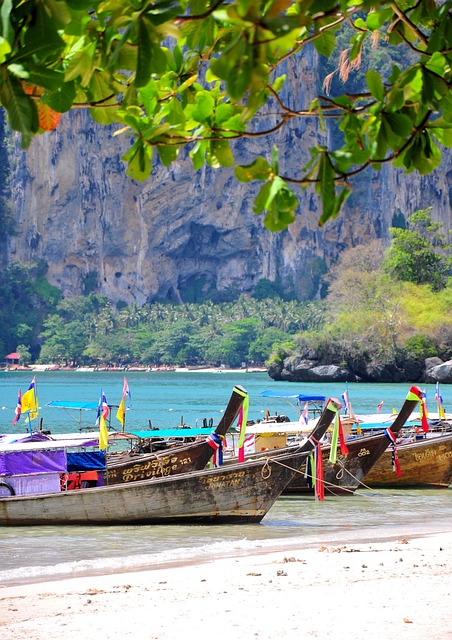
(234,494)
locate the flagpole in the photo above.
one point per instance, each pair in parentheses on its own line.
(29,424)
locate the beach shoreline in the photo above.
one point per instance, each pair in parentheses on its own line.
(393,587)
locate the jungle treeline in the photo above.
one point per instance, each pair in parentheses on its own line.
(384,303)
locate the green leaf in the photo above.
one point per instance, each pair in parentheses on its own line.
(139,163)
(43,77)
(6,27)
(275,160)
(42,38)
(377,18)
(357,41)
(223,66)
(438,64)
(198,154)
(442,130)
(167,154)
(221,153)
(444,136)
(375,84)
(261,200)
(336,207)
(143,73)
(159,61)
(257,170)
(62,99)
(238,82)
(400,124)
(325,185)
(277,220)
(21,109)
(325,43)
(278,83)
(205,105)
(360,24)
(5,49)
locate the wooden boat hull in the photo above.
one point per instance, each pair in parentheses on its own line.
(240,493)
(178,459)
(348,472)
(424,464)
(236,493)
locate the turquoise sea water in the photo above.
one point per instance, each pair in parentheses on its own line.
(167,399)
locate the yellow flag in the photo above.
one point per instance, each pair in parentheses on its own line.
(30,403)
(121,412)
(103,433)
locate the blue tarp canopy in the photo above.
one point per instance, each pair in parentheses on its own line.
(86,461)
(66,404)
(290,394)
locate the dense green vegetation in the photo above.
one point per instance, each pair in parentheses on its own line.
(202,74)
(383,304)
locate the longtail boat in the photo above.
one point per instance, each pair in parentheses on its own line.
(424,464)
(179,459)
(238,493)
(350,469)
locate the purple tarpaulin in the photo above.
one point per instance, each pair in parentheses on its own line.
(22,462)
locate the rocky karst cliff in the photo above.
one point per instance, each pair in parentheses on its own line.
(182,233)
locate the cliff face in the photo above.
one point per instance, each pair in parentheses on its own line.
(183,233)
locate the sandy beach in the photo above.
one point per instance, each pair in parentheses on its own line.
(390,589)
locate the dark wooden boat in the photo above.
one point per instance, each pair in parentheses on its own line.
(424,464)
(350,469)
(179,459)
(237,493)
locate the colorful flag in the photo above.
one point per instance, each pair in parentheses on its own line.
(125,390)
(424,414)
(121,413)
(439,400)
(305,414)
(30,401)
(242,421)
(18,409)
(103,433)
(102,414)
(345,402)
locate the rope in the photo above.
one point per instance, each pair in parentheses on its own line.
(266,470)
(339,474)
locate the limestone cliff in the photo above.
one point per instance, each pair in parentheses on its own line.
(183,233)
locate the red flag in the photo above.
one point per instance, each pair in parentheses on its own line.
(319,483)
(344,448)
(424,421)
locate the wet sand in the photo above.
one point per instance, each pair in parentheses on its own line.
(374,590)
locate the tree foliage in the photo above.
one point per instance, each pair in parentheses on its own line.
(420,254)
(203,73)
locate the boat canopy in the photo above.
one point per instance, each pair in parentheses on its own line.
(67,404)
(290,394)
(47,445)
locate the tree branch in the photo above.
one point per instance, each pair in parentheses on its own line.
(404,18)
